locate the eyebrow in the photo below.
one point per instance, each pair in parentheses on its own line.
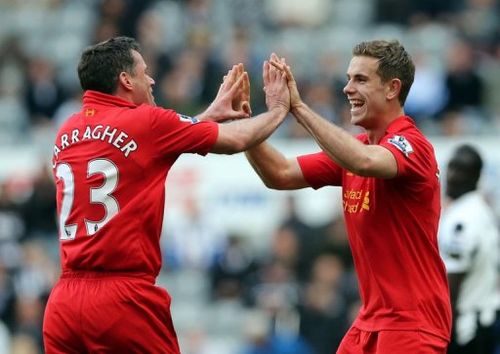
(358,76)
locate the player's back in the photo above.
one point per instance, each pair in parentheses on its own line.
(110,200)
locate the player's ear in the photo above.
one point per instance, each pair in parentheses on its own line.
(393,88)
(124,80)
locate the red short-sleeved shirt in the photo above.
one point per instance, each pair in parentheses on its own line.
(110,164)
(392,226)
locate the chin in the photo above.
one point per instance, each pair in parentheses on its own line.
(358,120)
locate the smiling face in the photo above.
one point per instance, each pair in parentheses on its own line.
(365,91)
(142,83)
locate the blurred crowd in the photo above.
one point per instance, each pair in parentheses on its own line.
(300,295)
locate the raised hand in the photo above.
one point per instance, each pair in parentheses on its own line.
(281,65)
(233,99)
(275,87)
(241,101)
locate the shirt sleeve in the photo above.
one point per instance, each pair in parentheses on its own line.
(176,133)
(413,153)
(319,170)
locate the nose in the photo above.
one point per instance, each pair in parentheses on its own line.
(151,81)
(348,88)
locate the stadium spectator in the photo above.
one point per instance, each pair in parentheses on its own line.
(275,285)
(428,93)
(336,240)
(4,338)
(193,240)
(7,298)
(110,163)
(309,240)
(464,110)
(469,245)
(231,268)
(391,201)
(324,307)
(43,92)
(39,209)
(261,339)
(11,231)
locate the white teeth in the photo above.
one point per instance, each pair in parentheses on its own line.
(356,105)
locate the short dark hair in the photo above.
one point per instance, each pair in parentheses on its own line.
(393,62)
(101,64)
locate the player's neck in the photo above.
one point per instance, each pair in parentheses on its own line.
(374,135)
(124,95)
(378,131)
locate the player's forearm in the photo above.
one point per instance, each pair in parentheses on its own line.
(340,145)
(253,131)
(241,135)
(268,163)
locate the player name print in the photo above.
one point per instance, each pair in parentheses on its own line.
(356,201)
(117,138)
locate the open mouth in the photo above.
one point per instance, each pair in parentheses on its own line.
(356,105)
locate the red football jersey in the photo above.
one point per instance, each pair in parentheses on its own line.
(392,227)
(110,164)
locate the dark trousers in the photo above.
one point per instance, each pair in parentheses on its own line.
(483,343)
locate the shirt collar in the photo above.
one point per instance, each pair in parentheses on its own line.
(399,124)
(96,98)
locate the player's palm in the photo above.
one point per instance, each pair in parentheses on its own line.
(229,102)
(275,87)
(281,65)
(241,101)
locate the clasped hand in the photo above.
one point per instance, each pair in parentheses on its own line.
(233,98)
(282,67)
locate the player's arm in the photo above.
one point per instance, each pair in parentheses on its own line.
(274,169)
(243,134)
(240,135)
(338,144)
(344,149)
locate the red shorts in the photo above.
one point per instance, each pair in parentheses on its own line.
(108,313)
(357,341)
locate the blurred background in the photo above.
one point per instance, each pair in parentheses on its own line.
(250,270)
